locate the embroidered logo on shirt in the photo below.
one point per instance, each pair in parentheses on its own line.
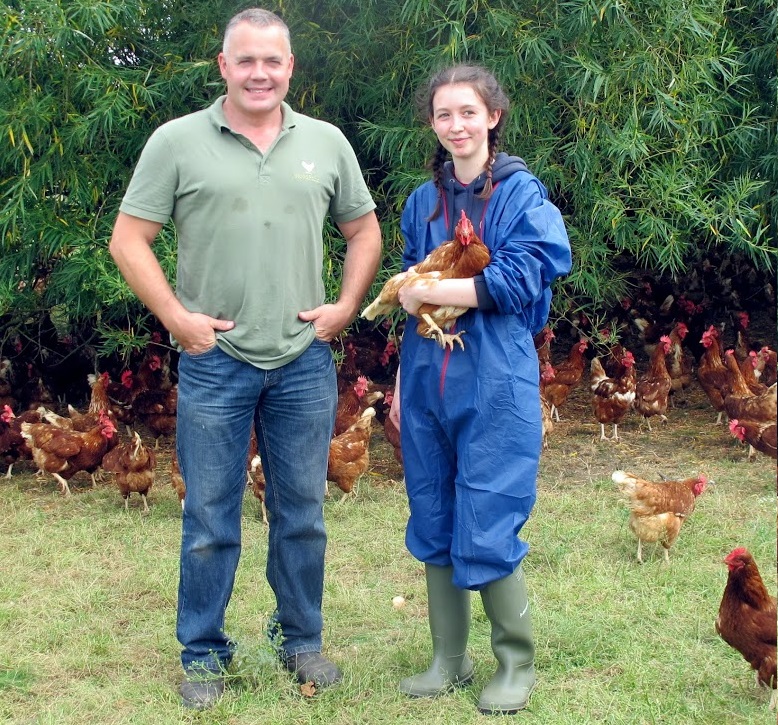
(309,175)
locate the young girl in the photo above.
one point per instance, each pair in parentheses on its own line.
(470,419)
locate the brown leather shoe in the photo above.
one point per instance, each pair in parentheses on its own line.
(313,667)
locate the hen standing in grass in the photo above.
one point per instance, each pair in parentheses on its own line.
(767,361)
(353,400)
(349,454)
(13,446)
(747,618)
(566,375)
(752,418)
(134,466)
(63,453)
(157,410)
(711,371)
(99,404)
(613,397)
(392,432)
(658,508)
(652,389)
(748,371)
(176,479)
(679,362)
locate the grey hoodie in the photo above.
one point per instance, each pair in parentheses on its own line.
(458,197)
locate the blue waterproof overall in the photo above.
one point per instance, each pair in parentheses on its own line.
(470,419)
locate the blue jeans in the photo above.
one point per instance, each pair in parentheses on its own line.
(293,411)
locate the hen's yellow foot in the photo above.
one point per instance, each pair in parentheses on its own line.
(448,340)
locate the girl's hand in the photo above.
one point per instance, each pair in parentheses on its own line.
(414,294)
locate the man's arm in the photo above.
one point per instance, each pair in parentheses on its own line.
(363,255)
(131,249)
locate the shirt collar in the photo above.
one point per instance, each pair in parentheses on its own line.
(216,112)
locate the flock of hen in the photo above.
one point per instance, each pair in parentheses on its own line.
(64,445)
(740,382)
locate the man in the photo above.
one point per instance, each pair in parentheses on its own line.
(248,183)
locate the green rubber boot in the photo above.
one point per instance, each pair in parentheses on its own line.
(507,607)
(449,617)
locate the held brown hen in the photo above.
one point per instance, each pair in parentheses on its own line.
(612,397)
(134,466)
(349,455)
(658,508)
(747,618)
(63,453)
(463,257)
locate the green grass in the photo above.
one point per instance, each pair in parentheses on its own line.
(88,598)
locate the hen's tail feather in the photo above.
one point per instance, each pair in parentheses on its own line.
(623,478)
(375,308)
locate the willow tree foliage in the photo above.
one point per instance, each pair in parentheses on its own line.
(652,122)
(82,83)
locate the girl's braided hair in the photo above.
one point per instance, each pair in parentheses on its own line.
(490,92)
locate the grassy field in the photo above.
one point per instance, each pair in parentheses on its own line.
(88,596)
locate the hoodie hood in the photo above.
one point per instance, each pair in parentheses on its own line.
(460,197)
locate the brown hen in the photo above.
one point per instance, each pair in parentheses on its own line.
(612,397)
(658,508)
(134,467)
(156,409)
(741,404)
(63,453)
(747,618)
(349,455)
(463,257)
(679,362)
(176,479)
(711,372)
(353,400)
(566,375)
(13,446)
(652,389)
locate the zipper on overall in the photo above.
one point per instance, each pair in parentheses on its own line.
(449,350)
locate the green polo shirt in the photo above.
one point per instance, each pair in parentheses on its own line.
(249,225)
